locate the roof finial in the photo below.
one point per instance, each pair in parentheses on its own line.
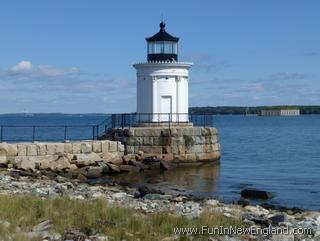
(162,26)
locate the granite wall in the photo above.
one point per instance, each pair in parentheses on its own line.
(181,144)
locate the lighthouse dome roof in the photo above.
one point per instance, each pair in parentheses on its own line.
(162,35)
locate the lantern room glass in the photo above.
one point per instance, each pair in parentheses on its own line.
(162,47)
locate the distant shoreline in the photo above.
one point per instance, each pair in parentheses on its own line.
(214,110)
(251,110)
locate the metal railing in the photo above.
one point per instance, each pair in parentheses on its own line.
(21,133)
(57,133)
(160,119)
(53,133)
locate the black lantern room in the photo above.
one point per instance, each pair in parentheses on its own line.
(162,46)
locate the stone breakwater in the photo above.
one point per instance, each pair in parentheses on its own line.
(178,143)
(62,157)
(147,203)
(125,150)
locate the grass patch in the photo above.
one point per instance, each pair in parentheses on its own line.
(91,217)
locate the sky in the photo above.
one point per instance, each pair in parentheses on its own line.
(76,56)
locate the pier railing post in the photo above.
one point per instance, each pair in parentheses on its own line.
(33,133)
(65,133)
(113,120)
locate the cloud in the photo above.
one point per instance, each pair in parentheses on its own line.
(309,54)
(27,70)
(279,88)
(22,66)
(197,57)
(306,54)
(214,80)
(285,76)
(48,88)
(205,62)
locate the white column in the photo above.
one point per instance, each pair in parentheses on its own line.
(177,117)
(138,94)
(154,99)
(186,99)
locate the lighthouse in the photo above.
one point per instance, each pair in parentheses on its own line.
(162,126)
(162,81)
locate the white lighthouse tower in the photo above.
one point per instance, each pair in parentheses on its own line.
(162,81)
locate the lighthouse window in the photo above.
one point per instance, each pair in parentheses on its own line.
(163,47)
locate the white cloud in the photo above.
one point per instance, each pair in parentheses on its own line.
(55,71)
(27,69)
(22,66)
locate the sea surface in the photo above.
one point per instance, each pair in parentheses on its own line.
(276,154)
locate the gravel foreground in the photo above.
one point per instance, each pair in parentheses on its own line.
(260,223)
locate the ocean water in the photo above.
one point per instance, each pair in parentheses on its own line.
(277,154)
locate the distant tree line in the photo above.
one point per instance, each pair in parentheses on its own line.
(256,110)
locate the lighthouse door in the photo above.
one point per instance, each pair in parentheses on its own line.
(166,108)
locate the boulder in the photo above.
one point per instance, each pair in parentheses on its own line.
(278,218)
(111,157)
(165,165)
(94,172)
(81,177)
(85,159)
(244,202)
(143,190)
(138,164)
(61,163)
(257,219)
(46,162)
(212,202)
(73,167)
(113,168)
(129,157)
(24,162)
(105,167)
(257,210)
(256,194)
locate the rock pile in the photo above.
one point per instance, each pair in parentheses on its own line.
(80,160)
(150,201)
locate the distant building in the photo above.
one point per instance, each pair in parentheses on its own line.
(279,112)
